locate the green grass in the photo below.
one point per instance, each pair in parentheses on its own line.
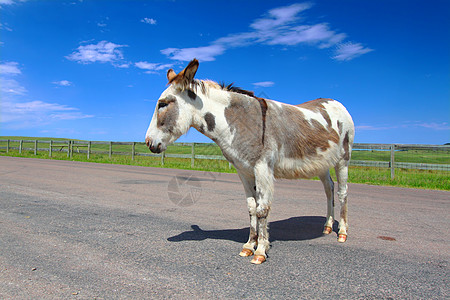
(200,149)
(367,175)
(410,156)
(410,178)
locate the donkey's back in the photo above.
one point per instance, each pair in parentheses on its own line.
(309,138)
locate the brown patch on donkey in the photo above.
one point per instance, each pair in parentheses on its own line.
(304,136)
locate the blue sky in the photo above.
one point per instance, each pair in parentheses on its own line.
(94,69)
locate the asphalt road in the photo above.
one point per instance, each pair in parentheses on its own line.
(95,231)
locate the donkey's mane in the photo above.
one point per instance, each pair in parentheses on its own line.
(231,88)
(204,84)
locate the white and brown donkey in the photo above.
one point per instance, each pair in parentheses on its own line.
(263,139)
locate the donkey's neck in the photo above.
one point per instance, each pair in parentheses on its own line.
(210,119)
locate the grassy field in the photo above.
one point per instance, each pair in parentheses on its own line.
(409,156)
(367,175)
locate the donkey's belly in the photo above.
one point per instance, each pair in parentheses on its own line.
(307,167)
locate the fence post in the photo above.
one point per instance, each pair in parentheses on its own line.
(392,161)
(50,149)
(133,149)
(163,154)
(35,147)
(7,146)
(71,149)
(68,148)
(20,146)
(89,150)
(192,155)
(110,150)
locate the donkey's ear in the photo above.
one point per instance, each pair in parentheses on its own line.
(190,70)
(171,75)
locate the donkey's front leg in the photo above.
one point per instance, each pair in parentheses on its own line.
(329,191)
(250,192)
(264,195)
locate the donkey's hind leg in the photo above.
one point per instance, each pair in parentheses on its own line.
(329,191)
(342,176)
(250,191)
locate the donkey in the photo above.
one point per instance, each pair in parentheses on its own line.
(263,139)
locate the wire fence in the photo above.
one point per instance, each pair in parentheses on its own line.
(390,156)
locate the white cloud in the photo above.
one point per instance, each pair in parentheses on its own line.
(207,53)
(62,83)
(35,106)
(149,21)
(264,83)
(374,128)
(239,39)
(349,51)
(152,67)
(123,66)
(103,24)
(280,26)
(408,125)
(37,113)
(69,116)
(11,87)
(434,125)
(318,34)
(9,2)
(103,52)
(280,16)
(5,26)
(19,113)
(9,68)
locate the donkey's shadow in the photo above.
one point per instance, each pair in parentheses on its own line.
(292,229)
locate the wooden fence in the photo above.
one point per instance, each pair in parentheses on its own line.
(388,152)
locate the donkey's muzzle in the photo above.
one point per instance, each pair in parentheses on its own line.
(155,148)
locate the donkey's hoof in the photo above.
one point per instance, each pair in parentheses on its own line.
(342,238)
(327,230)
(246,252)
(258,259)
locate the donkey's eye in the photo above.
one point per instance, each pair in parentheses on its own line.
(162,104)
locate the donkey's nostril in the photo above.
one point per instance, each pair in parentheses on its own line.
(147,141)
(155,148)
